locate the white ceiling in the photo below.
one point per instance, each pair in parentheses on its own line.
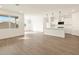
(40,7)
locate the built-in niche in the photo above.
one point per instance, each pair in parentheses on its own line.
(54,21)
(50,21)
(7,21)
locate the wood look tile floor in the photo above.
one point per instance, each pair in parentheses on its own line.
(39,44)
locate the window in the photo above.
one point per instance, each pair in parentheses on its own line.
(8,21)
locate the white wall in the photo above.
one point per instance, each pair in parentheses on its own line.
(72,24)
(7,33)
(68,25)
(75,23)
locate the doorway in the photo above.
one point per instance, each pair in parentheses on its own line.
(33,23)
